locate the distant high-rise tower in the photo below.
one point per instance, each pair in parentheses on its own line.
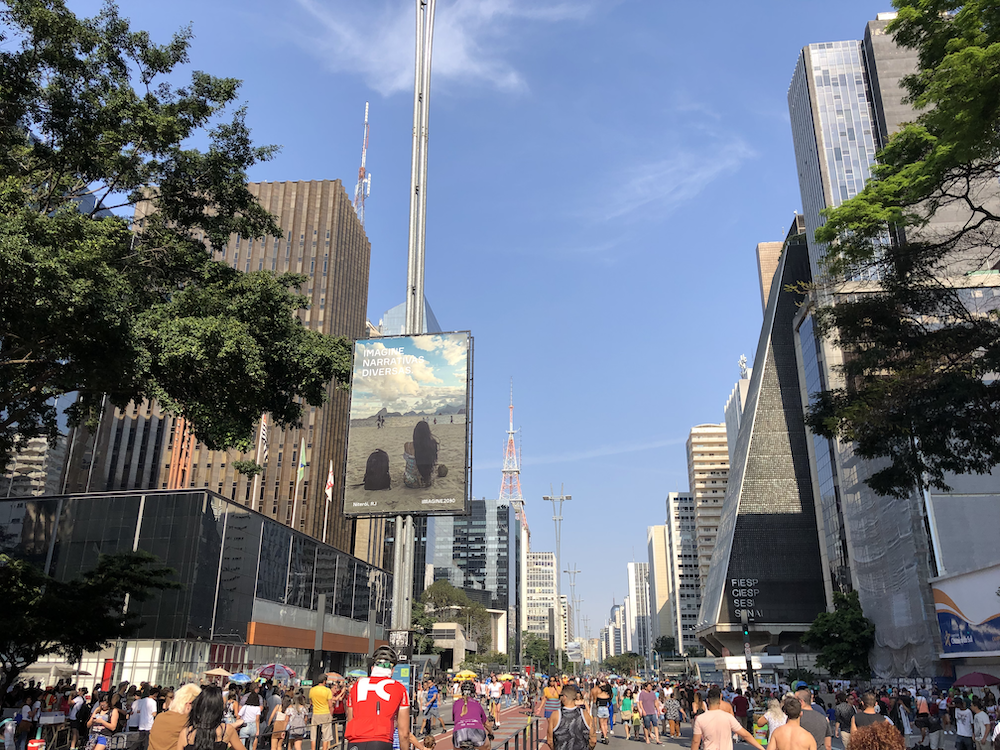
(510,494)
(708,474)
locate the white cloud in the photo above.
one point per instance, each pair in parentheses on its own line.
(664,184)
(375,39)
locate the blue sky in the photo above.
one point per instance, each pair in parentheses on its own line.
(600,173)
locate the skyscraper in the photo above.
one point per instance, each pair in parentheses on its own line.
(142,447)
(682,570)
(708,474)
(844,102)
(639,625)
(659,582)
(542,596)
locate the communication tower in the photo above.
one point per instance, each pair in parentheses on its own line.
(364,186)
(510,487)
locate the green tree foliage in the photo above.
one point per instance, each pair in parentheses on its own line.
(919,391)
(92,123)
(665,644)
(626,664)
(806,675)
(843,638)
(422,624)
(535,649)
(446,603)
(42,616)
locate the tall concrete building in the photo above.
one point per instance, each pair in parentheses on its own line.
(660,588)
(141,447)
(639,625)
(544,614)
(768,254)
(566,615)
(734,407)
(845,100)
(708,474)
(616,638)
(682,570)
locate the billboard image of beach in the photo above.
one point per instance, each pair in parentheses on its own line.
(408,437)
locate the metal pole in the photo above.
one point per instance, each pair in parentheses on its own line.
(404,541)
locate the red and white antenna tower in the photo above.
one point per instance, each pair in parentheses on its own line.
(510,487)
(364,186)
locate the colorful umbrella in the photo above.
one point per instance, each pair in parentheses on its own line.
(219,672)
(240,679)
(276,672)
(357,673)
(976,679)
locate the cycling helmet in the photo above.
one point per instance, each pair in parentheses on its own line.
(385,656)
(468,688)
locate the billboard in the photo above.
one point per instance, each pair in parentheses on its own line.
(408,440)
(967,612)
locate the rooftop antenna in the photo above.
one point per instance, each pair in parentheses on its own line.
(364,187)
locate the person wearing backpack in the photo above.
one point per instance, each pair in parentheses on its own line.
(79,715)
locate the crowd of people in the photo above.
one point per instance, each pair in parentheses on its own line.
(576,713)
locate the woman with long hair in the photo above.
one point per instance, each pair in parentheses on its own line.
(425,451)
(469,719)
(772,718)
(279,722)
(882,735)
(626,705)
(169,723)
(205,729)
(297,713)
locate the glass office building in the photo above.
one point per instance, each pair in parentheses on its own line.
(250,590)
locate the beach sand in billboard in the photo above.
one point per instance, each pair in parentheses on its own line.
(367,436)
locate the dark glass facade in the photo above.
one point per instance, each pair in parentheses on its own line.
(225,556)
(834,529)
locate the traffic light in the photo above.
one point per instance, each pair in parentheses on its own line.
(746,631)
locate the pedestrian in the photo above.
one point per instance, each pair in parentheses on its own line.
(963,726)
(714,729)
(298,712)
(433,712)
(250,714)
(791,735)
(673,712)
(980,725)
(881,735)
(322,712)
(843,712)
(570,727)
(625,707)
(813,721)
(772,718)
(145,710)
(74,717)
(648,708)
(205,729)
(168,724)
(741,708)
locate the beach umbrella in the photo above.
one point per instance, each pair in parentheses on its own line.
(276,672)
(240,679)
(357,673)
(466,674)
(977,679)
(335,676)
(506,677)
(219,672)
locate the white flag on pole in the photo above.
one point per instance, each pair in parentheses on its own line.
(329,485)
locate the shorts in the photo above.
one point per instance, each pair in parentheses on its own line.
(74,724)
(432,713)
(321,725)
(935,740)
(649,721)
(248,731)
(369,745)
(603,712)
(470,734)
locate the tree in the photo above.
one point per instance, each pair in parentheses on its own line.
(42,616)
(535,648)
(93,124)
(843,638)
(627,663)
(665,644)
(801,673)
(920,346)
(422,625)
(694,651)
(446,603)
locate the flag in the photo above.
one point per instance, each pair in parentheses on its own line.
(263,439)
(302,460)
(329,485)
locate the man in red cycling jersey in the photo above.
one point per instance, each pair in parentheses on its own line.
(376,706)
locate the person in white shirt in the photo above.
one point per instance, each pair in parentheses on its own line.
(963,726)
(145,707)
(74,723)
